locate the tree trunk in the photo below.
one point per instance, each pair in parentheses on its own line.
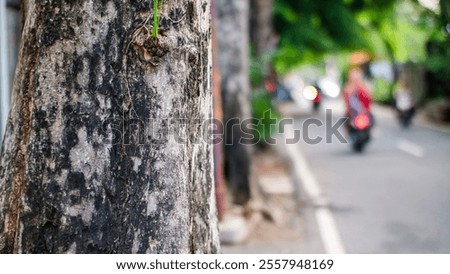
(218,115)
(261,25)
(232,35)
(99,155)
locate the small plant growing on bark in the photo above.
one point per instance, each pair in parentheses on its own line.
(155,28)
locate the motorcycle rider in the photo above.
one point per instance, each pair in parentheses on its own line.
(404,101)
(357,100)
(318,100)
(356,88)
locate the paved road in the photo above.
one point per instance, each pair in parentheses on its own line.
(395,197)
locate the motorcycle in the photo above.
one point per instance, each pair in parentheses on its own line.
(405,108)
(359,125)
(314,94)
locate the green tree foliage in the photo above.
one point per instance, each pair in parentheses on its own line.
(439,50)
(309,29)
(400,30)
(389,29)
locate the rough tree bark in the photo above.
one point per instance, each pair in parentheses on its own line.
(88,165)
(232,35)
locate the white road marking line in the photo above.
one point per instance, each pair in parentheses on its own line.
(329,232)
(327,225)
(411,148)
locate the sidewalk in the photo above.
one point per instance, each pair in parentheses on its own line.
(278,219)
(275,219)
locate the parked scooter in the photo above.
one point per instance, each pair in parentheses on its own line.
(359,125)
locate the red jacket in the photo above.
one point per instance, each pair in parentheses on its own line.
(364,97)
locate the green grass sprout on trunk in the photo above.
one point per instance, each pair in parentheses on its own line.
(155,28)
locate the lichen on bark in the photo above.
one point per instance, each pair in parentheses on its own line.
(80,170)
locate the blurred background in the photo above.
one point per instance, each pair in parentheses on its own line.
(385,192)
(386,189)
